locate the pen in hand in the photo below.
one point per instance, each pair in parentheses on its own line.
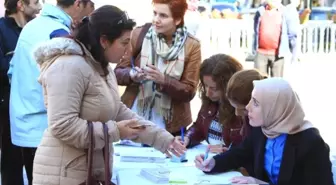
(230,146)
(206,155)
(182,135)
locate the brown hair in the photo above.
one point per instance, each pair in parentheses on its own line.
(221,67)
(177,7)
(240,85)
(11,6)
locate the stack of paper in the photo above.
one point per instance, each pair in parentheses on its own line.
(149,156)
(156,175)
(205,179)
(178,178)
(128,143)
(190,176)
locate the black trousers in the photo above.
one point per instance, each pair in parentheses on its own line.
(14,158)
(270,65)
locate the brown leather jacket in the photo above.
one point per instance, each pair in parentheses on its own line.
(181,91)
(198,132)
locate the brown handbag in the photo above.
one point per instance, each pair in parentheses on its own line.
(90,178)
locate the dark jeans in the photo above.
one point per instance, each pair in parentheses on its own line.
(269,64)
(13,158)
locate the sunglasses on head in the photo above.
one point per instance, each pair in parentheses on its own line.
(122,20)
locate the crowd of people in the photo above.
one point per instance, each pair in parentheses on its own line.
(56,80)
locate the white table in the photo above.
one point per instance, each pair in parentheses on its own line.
(128,172)
(125,173)
(191,174)
(333,162)
(118,165)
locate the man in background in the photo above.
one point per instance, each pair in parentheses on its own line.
(2,10)
(274,39)
(18,14)
(293,22)
(192,18)
(28,116)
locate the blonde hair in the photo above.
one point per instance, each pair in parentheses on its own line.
(240,85)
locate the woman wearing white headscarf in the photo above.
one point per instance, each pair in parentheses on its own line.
(283,147)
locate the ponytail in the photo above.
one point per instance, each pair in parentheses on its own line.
(90,39)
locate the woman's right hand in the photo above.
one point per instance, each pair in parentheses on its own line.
(137,75)
(125,130)
(185,142)
(204,165)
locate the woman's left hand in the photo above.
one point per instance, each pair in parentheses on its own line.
(154,74)
(176,148)
(246,180)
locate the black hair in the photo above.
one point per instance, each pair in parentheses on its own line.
(65,3)
(11,6)
(68,3)
(108,21)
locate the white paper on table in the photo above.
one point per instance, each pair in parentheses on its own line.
(156,175)
(194,176)
(128,143)
(146,155)
(202,178)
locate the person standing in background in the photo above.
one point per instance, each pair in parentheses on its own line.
(275,39)
(293,22)
(28,116)
(2,10)
(163,77)
(18,14)
(192,18)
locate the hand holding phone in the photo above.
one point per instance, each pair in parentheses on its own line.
(140,126)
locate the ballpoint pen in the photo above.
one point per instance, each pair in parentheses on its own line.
(182,134)
(207,153)
(230,146)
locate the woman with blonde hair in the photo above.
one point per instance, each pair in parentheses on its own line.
(238,92)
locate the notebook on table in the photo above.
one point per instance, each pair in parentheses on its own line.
(145,156)
(190,176)
(156,175)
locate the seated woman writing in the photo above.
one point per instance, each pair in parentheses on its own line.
(216,122)
(283,147)
(238,92)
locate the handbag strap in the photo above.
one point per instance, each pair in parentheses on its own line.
(106,151)
(90,153)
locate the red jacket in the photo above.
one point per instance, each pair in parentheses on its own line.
(199,130)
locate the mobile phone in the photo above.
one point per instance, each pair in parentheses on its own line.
(140,126)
